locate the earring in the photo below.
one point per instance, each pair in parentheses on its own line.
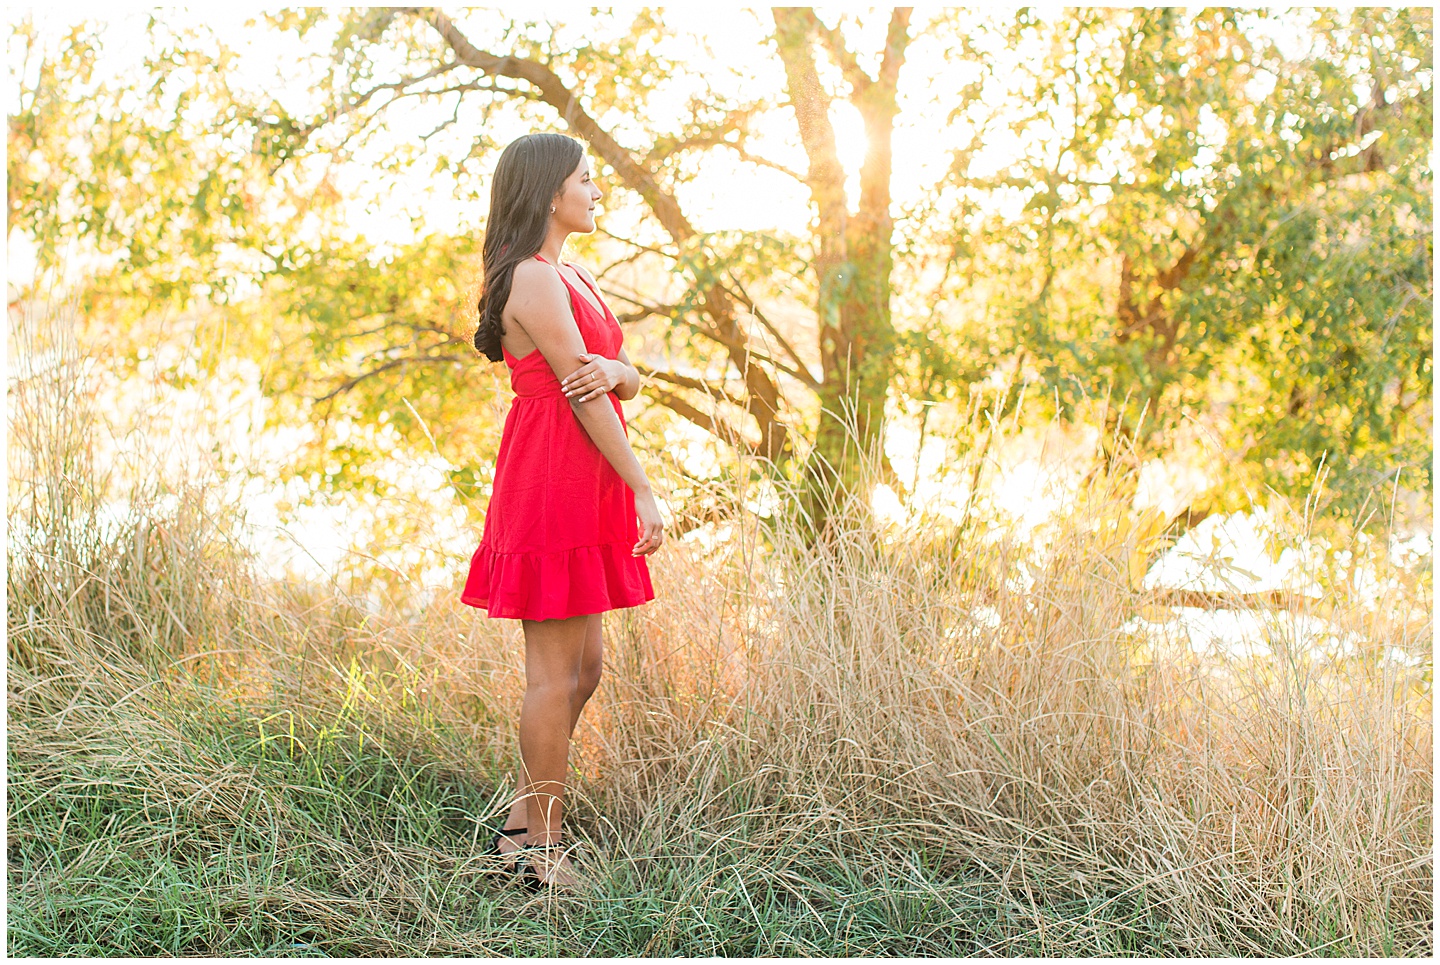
(552,209)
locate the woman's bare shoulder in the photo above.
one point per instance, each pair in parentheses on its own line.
(534,270)
(534,277)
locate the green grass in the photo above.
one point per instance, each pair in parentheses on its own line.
(213,842)
(368,855)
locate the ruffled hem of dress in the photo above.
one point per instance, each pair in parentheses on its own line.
(554,586)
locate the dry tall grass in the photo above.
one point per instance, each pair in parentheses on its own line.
(788,728)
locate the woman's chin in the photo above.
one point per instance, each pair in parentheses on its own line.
(583,224)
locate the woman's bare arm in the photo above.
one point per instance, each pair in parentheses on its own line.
(540,304)
(631,386)
(600,375)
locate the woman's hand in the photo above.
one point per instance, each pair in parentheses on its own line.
(652,527)
(596,377)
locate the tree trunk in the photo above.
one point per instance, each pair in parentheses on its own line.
(853,251)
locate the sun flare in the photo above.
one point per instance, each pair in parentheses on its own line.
(850,145)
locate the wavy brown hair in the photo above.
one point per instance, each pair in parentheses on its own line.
(529,175)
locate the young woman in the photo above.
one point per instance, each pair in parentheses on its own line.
(571,516)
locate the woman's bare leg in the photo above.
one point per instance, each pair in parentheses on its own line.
(553,652)
(591,663)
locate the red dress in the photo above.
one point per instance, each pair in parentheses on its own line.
(561,522)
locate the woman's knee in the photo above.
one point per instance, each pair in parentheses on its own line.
(556,689)
(589,677)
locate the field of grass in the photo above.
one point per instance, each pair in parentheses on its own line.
(931,742)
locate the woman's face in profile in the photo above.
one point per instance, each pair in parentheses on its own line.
(575,204)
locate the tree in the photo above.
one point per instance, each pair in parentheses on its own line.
(170,184)
(1227,217)
(854,251)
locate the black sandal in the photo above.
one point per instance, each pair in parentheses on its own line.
(507,833)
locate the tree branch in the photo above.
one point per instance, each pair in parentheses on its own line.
(849,65)
(553,91)
(897,39)
(647,308)
(826,177)
(712,424)
(635,244)
(404,83)
(802,371)
(716,138)
(763,162)
(686,382)
(742,347)
(355,380)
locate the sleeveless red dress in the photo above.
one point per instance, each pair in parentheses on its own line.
(561,522)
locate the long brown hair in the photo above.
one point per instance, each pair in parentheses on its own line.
(530,173)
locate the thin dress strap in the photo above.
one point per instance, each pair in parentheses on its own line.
(601,311)
(604,309)
(588,285)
